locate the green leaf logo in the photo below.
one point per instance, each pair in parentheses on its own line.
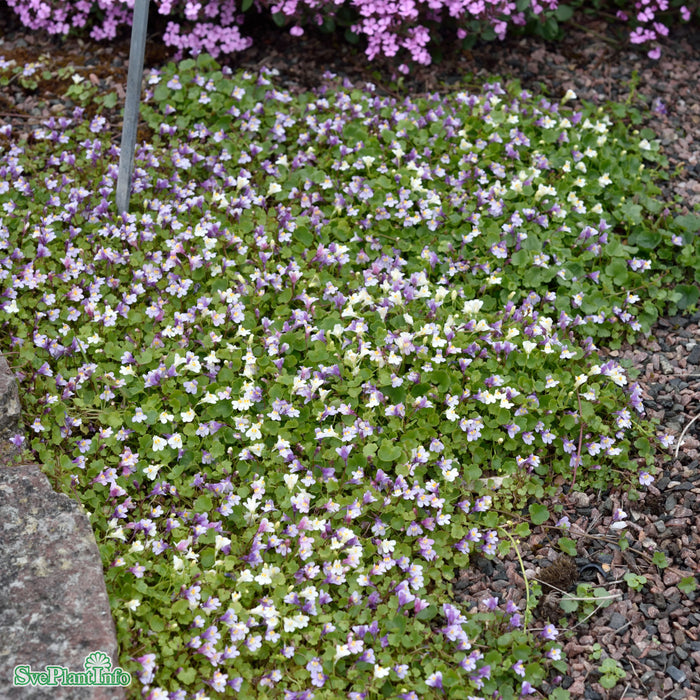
(97,659)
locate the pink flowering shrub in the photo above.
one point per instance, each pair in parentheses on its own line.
(390,27)
(650,19)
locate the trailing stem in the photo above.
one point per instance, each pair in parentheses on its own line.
(580,439)
(522,569)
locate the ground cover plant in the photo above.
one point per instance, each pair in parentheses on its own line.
(341,345)
(409,30)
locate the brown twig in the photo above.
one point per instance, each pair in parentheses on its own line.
(685,430)
(598,35)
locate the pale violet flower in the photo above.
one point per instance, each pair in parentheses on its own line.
(619,516)
(645,478)
(667,439)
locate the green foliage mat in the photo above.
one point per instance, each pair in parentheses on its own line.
(338,347)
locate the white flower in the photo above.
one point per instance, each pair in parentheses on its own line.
(118,533)
(529,346)
(265,576)
(159,443)
(471,308)
(193,365)
(298,622)
(151,471)
(252,504)
(386,546)
(175,441)
(254,431)
(133,604)
(209,398)
(617,376)
(221,542)
(310,593)
(341,650)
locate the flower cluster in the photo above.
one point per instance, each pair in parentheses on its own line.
(390,28)
(334,338)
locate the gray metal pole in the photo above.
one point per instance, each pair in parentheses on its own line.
(131,106)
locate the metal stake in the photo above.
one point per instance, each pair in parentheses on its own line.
(131,106)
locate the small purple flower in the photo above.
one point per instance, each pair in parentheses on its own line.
(512,429)
(482,504)
(84,445)
(645,478)
(404,594)
(515,621)
(419,605)
(554,654)
(619,514)
(526,689)
(434,680)
(549,632)
(491,603)
(344,452)
(519,668)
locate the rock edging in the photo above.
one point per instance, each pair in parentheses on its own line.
(54,603)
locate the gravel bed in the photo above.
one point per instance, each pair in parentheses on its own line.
(654,632)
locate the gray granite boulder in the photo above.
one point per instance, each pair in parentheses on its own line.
(54,608)
(9,401)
